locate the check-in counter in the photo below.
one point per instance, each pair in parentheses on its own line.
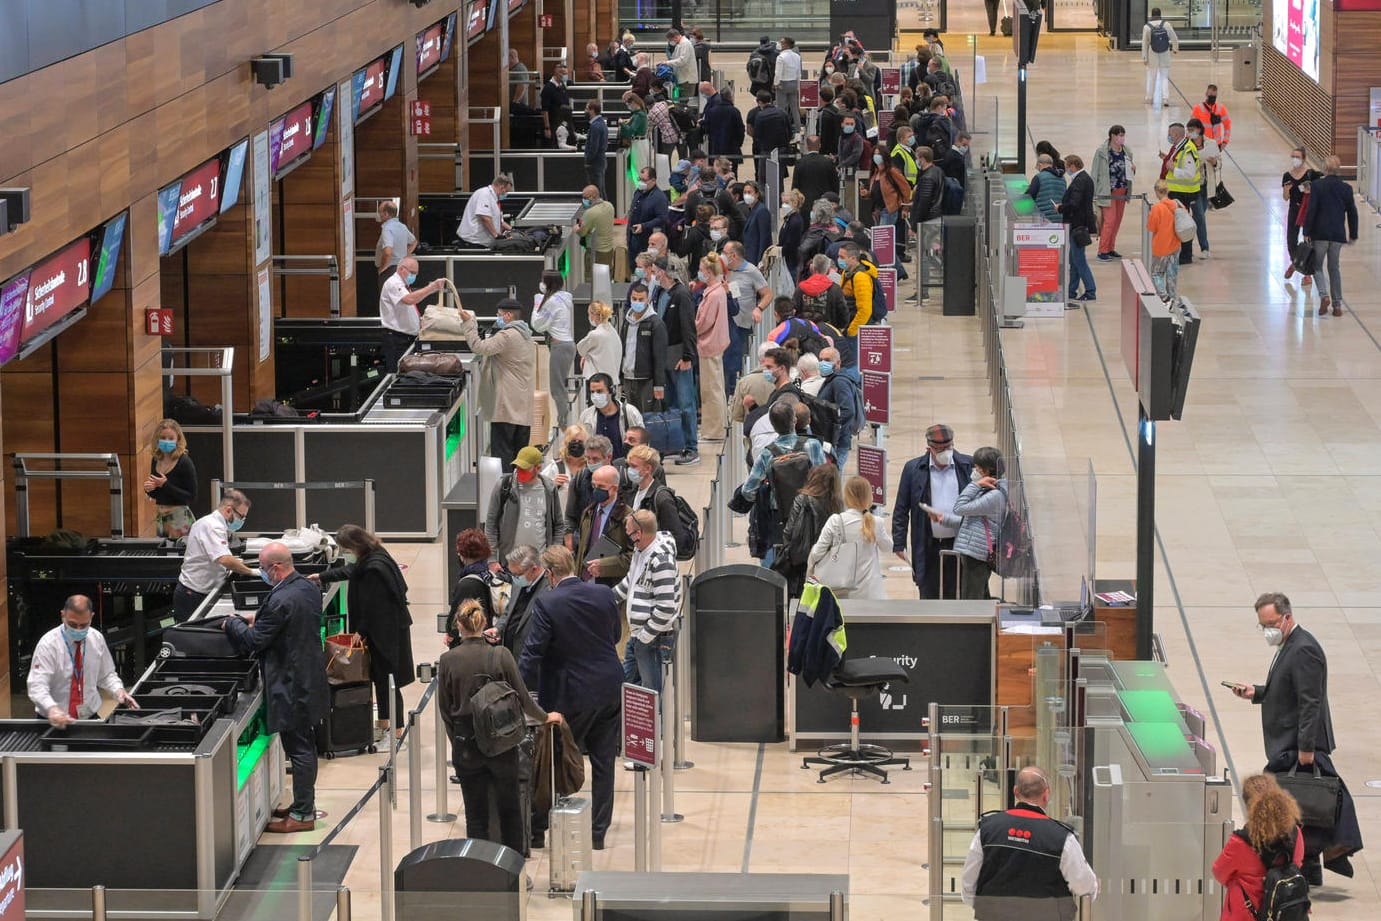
(946,647)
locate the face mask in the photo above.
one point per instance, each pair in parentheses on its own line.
(974,475)
(1211,98)
(1170,139)
(502,196)
(637,308)
(826,368)
(635,476)
(877,158)
(1274,636)
(167,447)
(235,525)
(1295,162)
(600,494)
(520,581)
(945,457)
(833,276)
(349,557)
(716,235)
(541,287)
(74,634)
(770,375)
(842,264)
(599,400)
(963,151)
(639,274)
(786,209)
(653,251)
(525,476)
(750,198)
(500,323)
(703,276)
(911,141)
(411,279)
(264,574)
(575,448)
(848,129)
(585,203)
(829,70)
(649,186)
(1194,135)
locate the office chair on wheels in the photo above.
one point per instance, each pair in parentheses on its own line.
(858,679)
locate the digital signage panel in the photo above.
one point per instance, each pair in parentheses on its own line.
(1295,33)
(290,138)
(57,286)
(369,88)
(323,116)
(234,174)
(449,37)
(474,22)
(13,295)
(112,237)
(199,199)
(395,69)
(429,44)
(167,214)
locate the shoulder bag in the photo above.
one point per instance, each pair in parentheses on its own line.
(1316,794)
(839,568)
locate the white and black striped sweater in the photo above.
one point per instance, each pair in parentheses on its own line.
(652,589)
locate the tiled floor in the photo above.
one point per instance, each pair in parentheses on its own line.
(1271,482)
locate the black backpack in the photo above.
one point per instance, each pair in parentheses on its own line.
(1160,37)
(683,118)
(810,341)
(1284,891)
(952,199)
(787,473)
(495,711)
(688,538)
(756,63)
(937,136)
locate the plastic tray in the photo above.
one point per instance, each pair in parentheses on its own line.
(245,672)
(96,737)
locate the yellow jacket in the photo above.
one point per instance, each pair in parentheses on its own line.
(1187,160)
(858,290)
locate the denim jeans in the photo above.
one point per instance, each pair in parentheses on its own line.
(685,397)
(1201,216)
(1079,270)
(642,662)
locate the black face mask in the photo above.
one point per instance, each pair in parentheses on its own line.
(1211,99)
(575,448)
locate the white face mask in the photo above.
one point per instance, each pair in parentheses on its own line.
(944,458)
(600,400)
(786,208)
(542,287)
(1296,162)
(750,198)
(1274,636)
(653,251)
(974,475)
(716,235)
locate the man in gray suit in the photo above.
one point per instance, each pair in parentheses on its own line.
(1298,729)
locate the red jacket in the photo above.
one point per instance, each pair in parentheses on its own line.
(1238,868)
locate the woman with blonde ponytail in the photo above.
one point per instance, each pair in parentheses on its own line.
(852,535)
(712,339)
(601,351)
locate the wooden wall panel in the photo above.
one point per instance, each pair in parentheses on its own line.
(489,85)
(437,175)
(1356,38)
(1299,103)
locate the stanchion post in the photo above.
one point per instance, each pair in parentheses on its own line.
(98,903)
(386,843)
(678,733)
(589,905)
(640,830)
(414,784)
(836,906)
(654,823)
(665,744)
(304,888)
(392,738)
(443,810)
(342,903)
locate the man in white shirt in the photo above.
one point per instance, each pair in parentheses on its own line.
(395,241)
(208,555)
(786,80)
(483,223)
(398,310)
(71,664)
(682,60)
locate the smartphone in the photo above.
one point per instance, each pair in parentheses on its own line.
(1230,685)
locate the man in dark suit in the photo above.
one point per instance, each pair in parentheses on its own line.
(771,130)
(1298,729)
(570,658)
(603,517)
(647,212)
(828,122)
(814,174)
(529,582)
(934,479)
(721,126)
(596,146)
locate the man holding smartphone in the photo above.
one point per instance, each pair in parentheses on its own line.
(1298,729)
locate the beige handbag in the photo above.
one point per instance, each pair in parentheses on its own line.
(440,321)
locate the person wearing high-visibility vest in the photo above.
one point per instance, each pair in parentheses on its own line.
(1183,177)
(1214,115)
(902,157)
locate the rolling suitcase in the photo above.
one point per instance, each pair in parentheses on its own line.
(203,638)
(570,838)
(349,724)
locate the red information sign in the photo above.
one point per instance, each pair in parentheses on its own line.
(199,199)
(294,136)
(57,287)
(1041,269)
(158,321)
(877,397)
(372,92)
(885,122)
(891,79)
(884,240)
(429,47)
(12,878)
(875,349)
(887,278)
(546,21)
(872,466)
(421,121)
(810,94)
(640,737)
(474,22)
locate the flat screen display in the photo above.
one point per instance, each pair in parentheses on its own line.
(449,36)
(234,174)
(13,294)
(199,199)
(1295,33)
(395,70)
(369,88)
(57,286)
(290,137)
(167,214)
(112,237)
(514,5)
(493,18)
(429,44)
(474,23)
(323,117)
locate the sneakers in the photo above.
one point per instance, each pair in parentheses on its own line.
(1114,253)
(687,458)
(1106,257)
(1205,254)
(1324,303)
(1088,296)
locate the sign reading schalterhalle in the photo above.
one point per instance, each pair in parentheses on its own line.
(872,466)
(877,397)
(57,287)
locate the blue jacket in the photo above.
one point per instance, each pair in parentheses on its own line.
(817,635)
(287,636)
(569,655)
(913,490)
(724,131)
(1332,211)
(1047,189)
(757,233)
(650,210)
(597,144)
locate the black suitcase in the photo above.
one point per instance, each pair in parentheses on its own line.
(204,638)
(349,724)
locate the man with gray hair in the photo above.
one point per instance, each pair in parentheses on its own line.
(1024,864)
(207,556)
(286,635)
(483,222)
(529,582)
(602,547)
(399,309)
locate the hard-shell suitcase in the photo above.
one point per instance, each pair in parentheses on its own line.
(349,724)
(204,638)
(570,839)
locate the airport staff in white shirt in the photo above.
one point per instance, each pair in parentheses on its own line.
(395,241)
(71,664)
(398,310)
(208,555)
(483,221)
(786,80)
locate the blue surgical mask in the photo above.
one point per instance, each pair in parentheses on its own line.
(826,368)
(635,476)
(911,141)
(584,203)
(703,276)
(264,574)
(236,524)
(349,557)
(503,196)
(848,129)
(73,634)
(411,279)
(520,581)
(770,375)
(500,323)
(841,263)
(167,447)
(640,273)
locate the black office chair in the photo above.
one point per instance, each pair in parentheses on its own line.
(857,679)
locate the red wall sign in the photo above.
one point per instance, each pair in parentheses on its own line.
(158,321)
(296,137)
(640,725)
(872,466)
(875,348)
(57,287)
(12,880)
(877,397)
(372,93)
(546,21)
(420,118)
(429,47)
(891,79)
(199,199)
(810,94)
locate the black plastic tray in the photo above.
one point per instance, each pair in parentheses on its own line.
(243,671)
(227,689)
(87,736)
(401,395)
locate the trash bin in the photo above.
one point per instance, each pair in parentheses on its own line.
(960,236)
(1244,69)
(738,654)
(460,878)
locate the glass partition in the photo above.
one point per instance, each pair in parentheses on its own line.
(736,21)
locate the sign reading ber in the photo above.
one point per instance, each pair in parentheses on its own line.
(639,725)
(57,287)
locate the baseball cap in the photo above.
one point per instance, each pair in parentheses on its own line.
(528,458)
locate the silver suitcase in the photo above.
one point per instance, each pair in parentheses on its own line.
(569,840)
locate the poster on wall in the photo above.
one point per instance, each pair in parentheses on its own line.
(347,216)
(263,204)
(265,314)
(1295,33)
(345,131)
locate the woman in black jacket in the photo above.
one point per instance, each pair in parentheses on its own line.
(172,481)
(792,230)
(818,499)
(1076,210)
(477,579)
(377,599)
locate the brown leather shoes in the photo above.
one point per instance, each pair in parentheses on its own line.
(288,826)
(1337,310)
(1324,303)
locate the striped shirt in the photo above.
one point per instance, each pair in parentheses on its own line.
(652,589)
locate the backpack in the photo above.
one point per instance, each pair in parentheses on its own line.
(952,199)
(854,394)
(499,591)
(682,118)
(787,472)
(496,713)
(665,72)
(937,136)
(1160,37)
(879,311)
(688,539)
(1284,891)
(810,341)
(756,63)
(1012,547)
(518,241)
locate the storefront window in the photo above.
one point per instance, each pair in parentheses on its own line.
(1193,19)
(732,20)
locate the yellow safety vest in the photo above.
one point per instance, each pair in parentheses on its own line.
(1185,186)
(909,170)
